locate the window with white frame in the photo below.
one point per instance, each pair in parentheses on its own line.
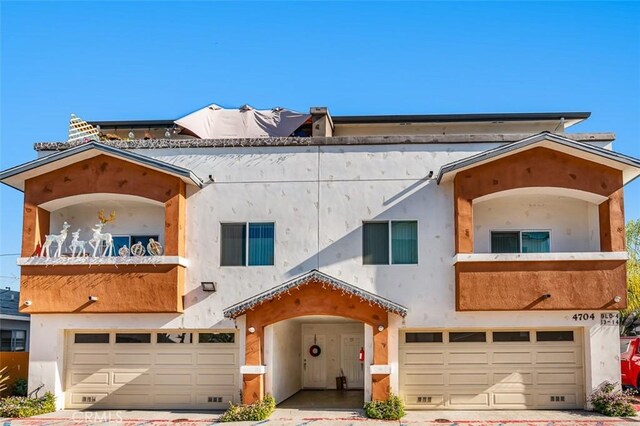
(520,241)
(247,244)
(390,242)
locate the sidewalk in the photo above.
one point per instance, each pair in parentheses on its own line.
(324,417)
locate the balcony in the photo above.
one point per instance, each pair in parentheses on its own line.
(540,281)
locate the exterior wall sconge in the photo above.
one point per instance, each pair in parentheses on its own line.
(93,298)
(546,296)
(252,329)
(27,303)
(208,286)
(617,299)
(380,327)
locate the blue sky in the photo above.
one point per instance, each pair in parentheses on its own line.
(148,60)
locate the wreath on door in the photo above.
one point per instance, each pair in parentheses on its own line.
(315,350)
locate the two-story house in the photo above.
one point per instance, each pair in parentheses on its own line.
(460,261)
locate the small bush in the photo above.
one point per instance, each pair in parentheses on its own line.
(390,409)
(611,402)
(20,387)
(22,406)
(255,412)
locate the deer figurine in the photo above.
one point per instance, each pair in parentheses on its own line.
(58,239)
(98,237)
(78,244)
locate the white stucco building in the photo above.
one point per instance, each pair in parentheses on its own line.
(472,261)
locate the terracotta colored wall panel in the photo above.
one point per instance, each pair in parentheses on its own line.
(127,288)
(515,286)
(18,368)
(540,167)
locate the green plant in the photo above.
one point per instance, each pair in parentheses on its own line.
(20,387)
(612,402)
(22,406)
(391,408)
(255,412)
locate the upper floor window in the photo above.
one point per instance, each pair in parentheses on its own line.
(241,248)
(520,242)
(395,241)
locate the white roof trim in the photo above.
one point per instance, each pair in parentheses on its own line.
(629,166)
(313,275)
(16,176)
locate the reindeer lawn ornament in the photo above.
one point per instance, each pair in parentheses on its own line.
(77,244)
(98,238)
(58,239)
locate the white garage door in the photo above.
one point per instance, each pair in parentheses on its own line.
(151,369)
(500,369)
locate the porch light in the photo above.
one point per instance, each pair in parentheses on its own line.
(252,329)
(93,298)
(546,296)
(380,327)
(617,299)
(27,303)
(208,286)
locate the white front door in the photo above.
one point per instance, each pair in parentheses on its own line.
(314,373)
(349,361)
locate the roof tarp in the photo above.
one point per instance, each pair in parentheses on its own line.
(215,122)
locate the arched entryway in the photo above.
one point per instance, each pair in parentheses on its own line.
(314,293)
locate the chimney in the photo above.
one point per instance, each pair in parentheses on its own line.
(321,122)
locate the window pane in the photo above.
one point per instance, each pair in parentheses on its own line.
(91,338)
(261,243)
(375,243)
(144,239)
(404,242)
(173,338)
(120,241)
(19,341)
(535,242)
(216,337)
(423,338)
(233,244)
(133,337)
(5,340)
(505,242)
(554,336)
(467,336)
(511,336)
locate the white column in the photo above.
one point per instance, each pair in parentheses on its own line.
(368,360)
(601,356)
(268,351)
(46,358)
(241,326)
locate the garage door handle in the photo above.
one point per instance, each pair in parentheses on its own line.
(305,364)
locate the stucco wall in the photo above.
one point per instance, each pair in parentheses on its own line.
(573,223)
(283,361)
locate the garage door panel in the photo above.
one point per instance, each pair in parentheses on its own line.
(467,357)
(151,375)
(492,375)
(131,378)
(424,358)
(469,378)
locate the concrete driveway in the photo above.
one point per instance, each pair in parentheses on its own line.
(283,416)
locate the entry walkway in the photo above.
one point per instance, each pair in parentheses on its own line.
(324,399)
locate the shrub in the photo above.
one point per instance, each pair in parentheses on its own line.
(255,412)
(22,406)
(20,387)
(612,402)
(390,409)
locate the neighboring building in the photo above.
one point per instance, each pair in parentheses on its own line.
(14,325)
(477,260)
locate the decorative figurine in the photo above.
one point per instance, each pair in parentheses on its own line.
(76,243)
(123,251)
(58,239)
(98,238)
(137,249)
(154,248)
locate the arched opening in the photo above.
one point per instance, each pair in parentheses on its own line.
(314,362)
